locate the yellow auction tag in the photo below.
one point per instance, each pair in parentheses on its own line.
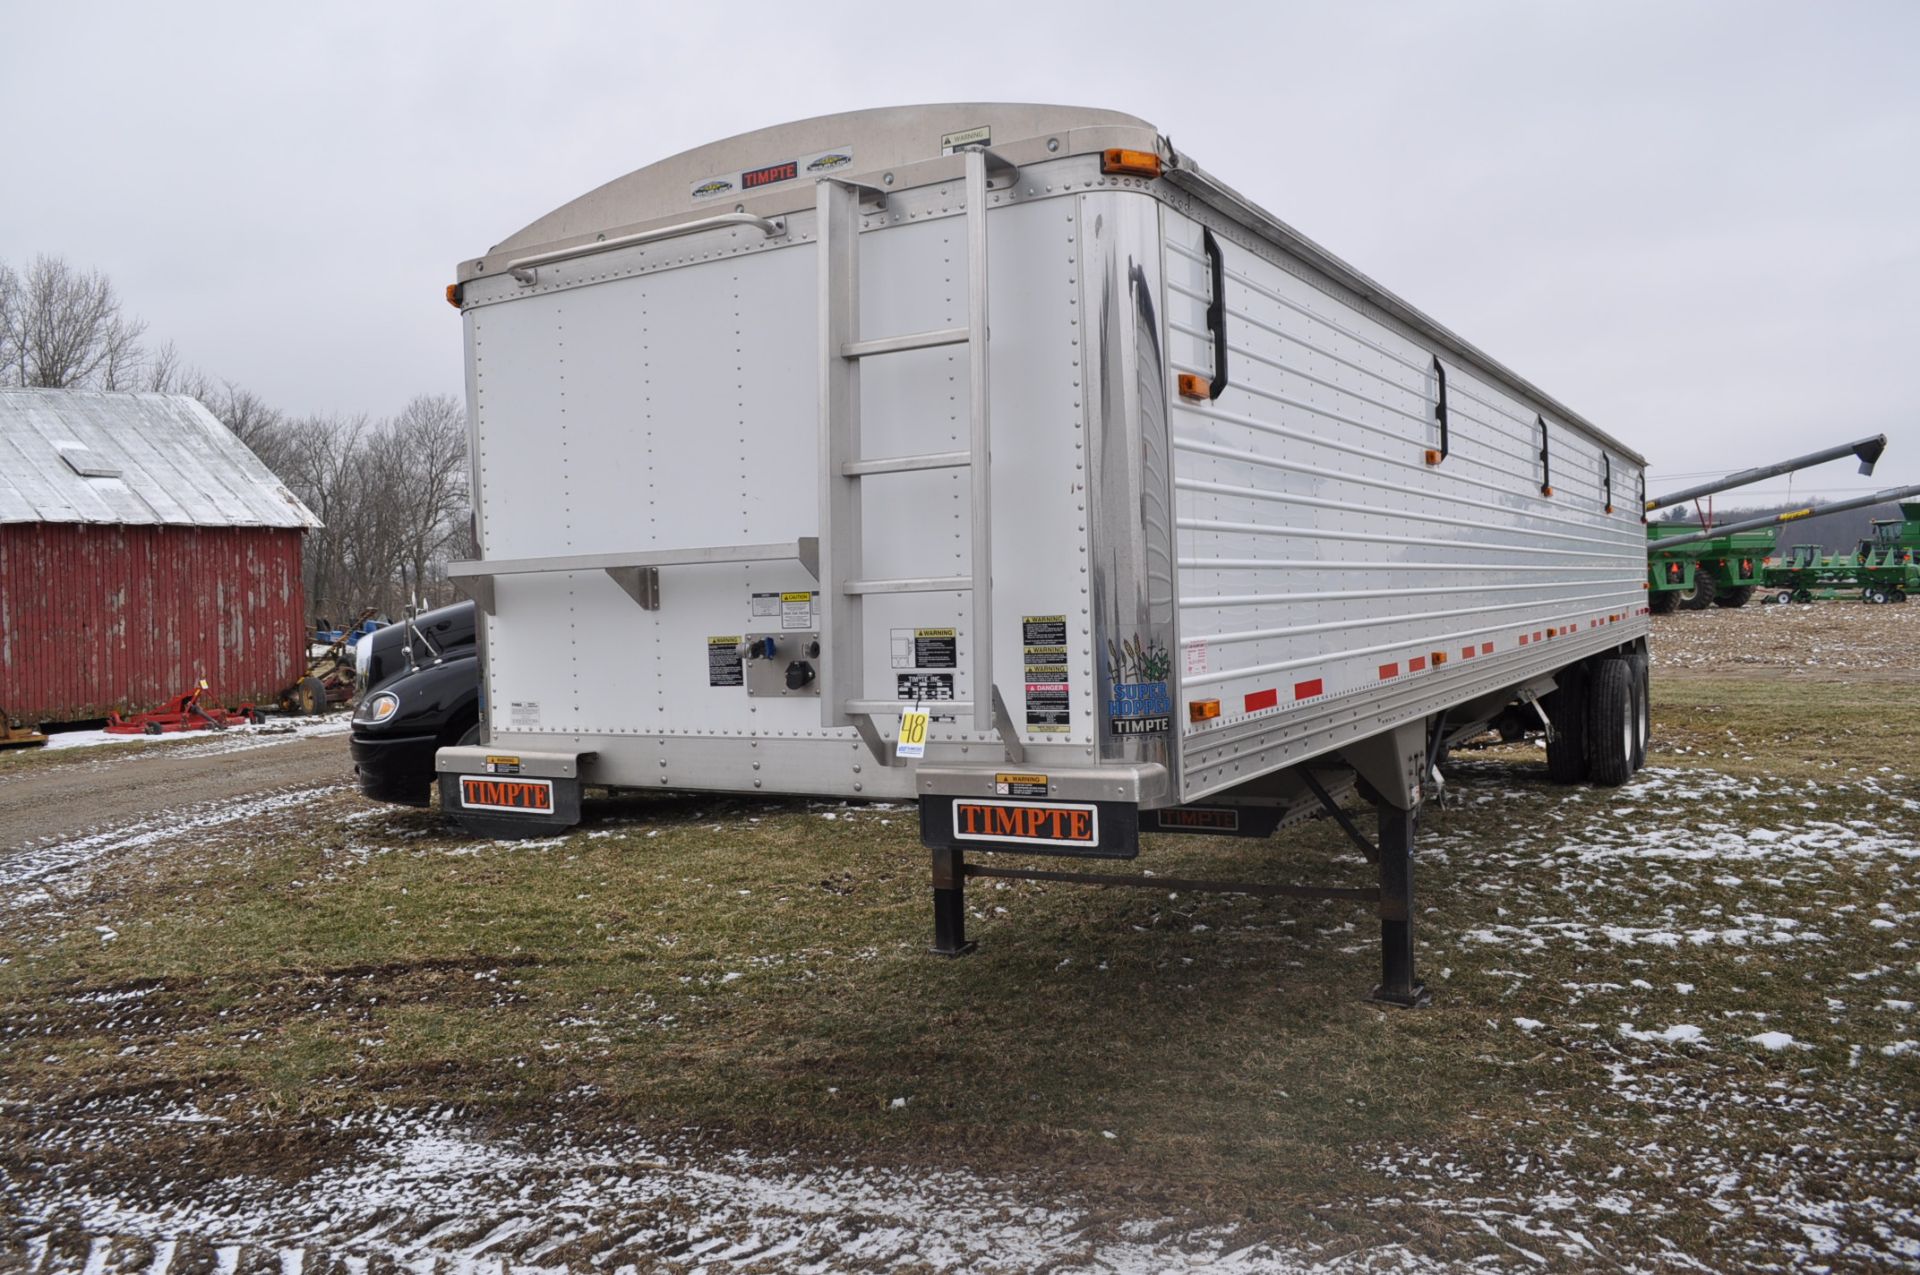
(913,733)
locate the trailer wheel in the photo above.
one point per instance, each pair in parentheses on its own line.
(1783,597)
(1700,596)
(1878,597)
(1567,710)
(1642,707)
(1662,601)
(1613,724)
(1734,597)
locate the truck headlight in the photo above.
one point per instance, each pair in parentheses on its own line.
(377,708)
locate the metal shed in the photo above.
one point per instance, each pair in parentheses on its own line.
(142,546)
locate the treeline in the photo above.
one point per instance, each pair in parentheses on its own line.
(392,491)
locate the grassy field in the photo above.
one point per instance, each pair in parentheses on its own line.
(1667,1027)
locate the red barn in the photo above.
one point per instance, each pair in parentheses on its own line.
(142,547)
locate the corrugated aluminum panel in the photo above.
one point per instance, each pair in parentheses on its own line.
(1332,582)
(176,465)
(101,618)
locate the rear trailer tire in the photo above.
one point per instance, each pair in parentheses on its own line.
(1662,601)
(1734,597)
(1783,597)
(1642,707)
(1700,596)
(1567,711)
(1613,723)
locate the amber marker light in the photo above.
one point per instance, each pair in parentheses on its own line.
(453,295)
(1203,710)
(1132,163)
(1195,386)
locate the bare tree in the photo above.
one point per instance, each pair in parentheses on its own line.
(431,443)
(64,329)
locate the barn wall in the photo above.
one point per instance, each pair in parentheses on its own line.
(95,618)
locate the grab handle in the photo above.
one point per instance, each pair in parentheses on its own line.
(1434,457)
(523,268)
(1216,312)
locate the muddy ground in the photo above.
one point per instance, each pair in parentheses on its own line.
(251,1023)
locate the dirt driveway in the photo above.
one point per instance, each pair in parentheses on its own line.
(97,796)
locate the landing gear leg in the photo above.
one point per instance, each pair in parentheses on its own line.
(1397,985)
(950,904)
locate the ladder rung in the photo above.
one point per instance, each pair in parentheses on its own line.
(911,341)
(907,464)
(911,584)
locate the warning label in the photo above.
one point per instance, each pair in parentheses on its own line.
(1049,710)
(924,648)
(723,661)
(951,142)
(766,604)
(1020,785)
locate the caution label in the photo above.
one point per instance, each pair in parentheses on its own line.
(1049,707)
(723,661)
(796,610)
(1020,785)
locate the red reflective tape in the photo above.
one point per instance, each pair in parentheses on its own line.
(1466,652)
(1262,699)
(1417,664)
(1486,648)
(1389,670)
(1523,639)
(1536,635)
(1307,690)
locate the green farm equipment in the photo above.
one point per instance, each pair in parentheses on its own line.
(1883,567)
(1722,570)
(1693,565)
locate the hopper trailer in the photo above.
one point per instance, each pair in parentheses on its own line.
(1002,459)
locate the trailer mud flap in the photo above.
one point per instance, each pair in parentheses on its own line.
(511,806)
(1214,821)
(1010,825)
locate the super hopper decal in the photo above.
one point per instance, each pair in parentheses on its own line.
(1138,701)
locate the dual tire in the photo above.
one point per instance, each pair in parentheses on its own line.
(1602,720)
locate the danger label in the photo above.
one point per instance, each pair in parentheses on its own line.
(1049,704)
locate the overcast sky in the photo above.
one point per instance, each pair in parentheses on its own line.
(1696,223)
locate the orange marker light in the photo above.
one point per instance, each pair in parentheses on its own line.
(1433,456)
(1439,658)
(453,295)
(1203,710)
(1195,386)
(1136,163)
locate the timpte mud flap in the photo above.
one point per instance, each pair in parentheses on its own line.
(501,792)
(1015,825)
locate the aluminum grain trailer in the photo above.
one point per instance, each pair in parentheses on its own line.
(1013,415)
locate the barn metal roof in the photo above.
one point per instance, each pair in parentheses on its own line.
(133,460)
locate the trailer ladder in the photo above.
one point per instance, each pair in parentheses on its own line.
(844,470)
